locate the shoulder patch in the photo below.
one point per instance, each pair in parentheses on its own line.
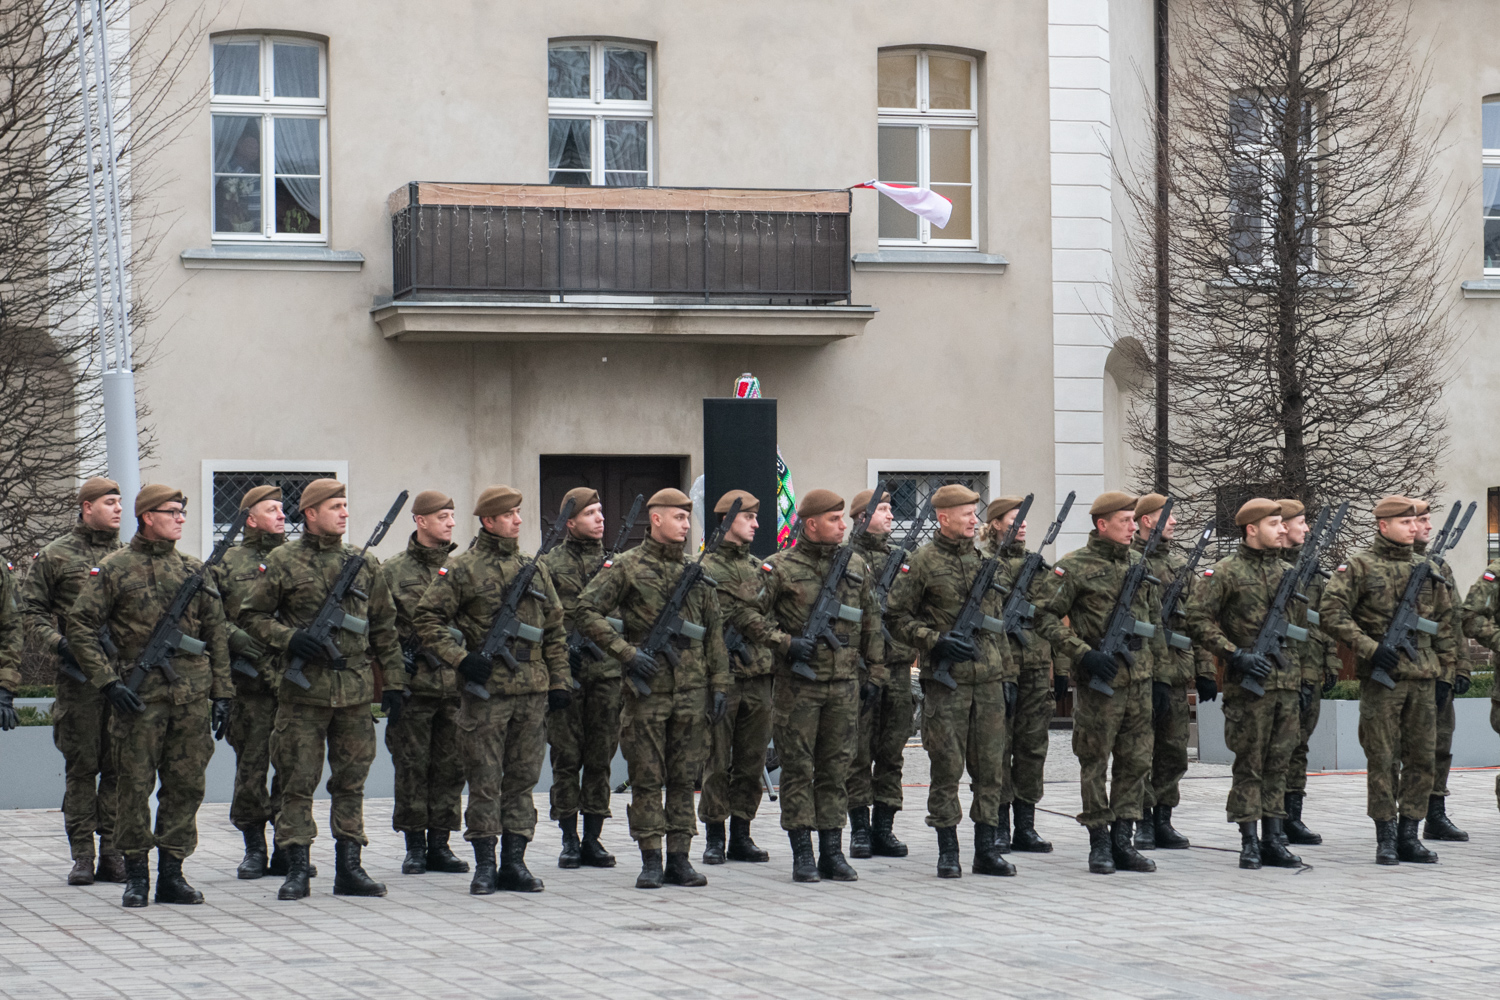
(1342,568)
(906,567)
(1489,576)
(262,567)
(1059,571)
(37,554)
(93,571)
(442,571)
(607,564)
(768,567)
(1209,571)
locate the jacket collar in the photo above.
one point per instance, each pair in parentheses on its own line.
(322,543)
(1419,547)
(1387,549)
(957,545)
(1260,555)
(503,547)
(262,541)
(95,536)
(588,547)
(427,556)
(1101,546)
(662,550)
(868,542)
(1291,553)
(151,546)
(733,549)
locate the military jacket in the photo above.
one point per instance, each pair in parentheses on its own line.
(794,579)
(1359,601)
(1229,605)
(294,583)
(57,574)
(572,564)
(467,593)
(637,586)
(1036,655)
(741,590)
(1478,613)
(1320,653)
(1460,663)
(235,576)
(926,599)
(408,575)
(875,550)
(1086,589)
(128,591)
(1175,666)
(10,630)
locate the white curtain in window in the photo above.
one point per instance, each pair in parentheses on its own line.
(568,142)
(296,69)
(1492,190)
(227,132)
(297,153)
(237,69)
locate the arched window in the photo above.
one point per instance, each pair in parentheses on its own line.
(929,138)
(599,113)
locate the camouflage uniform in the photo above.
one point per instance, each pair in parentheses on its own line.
(1447,718)
(664,734)
(332,716)
(424,742)
(1026,754)
(884,721)
(1478,616)
(501,738)
(170,740)
(254,712)
(1087,585)
(80,715)
(963,726)
(1400,724)
(585,735)
(1320,661)
(10,631)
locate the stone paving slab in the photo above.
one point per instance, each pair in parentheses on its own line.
(1198,927)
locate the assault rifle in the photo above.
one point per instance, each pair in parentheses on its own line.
(106,643)
(1447,541)
(1325,541)
(1277,627)
(736,646)
(669,623)
(1171,603)
(507,626)
(1017,615)
(166,638)
(827,608)
(971,617)
(412,650)
(1123,624)
(331,615)
(577,641)
(895,559)
(1406,620)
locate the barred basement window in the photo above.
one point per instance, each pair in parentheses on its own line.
(910,490)
(1227,503)
(230,487)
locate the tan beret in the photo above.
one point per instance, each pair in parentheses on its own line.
(953,495)
(819,502)
(670,498)
(1000,506)
(1149,504)
(97,487)
(319,490)
(582,497)
(862,500)
(431,501)
(1291,508)
(497,500)
(1253,510)
(1423,507)
(748,503)
(1396,506)
(153,495)
(1112,502)
(256,494)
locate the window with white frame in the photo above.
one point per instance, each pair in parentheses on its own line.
(269,139)
(225,482)
(1491,144)
(911,486)
(1256,176)
(929,138)
(599,113)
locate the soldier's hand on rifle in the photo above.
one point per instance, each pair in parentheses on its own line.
(1461,685)
(122,698)
(476,668)
(65,653)
(1329,680)
(1305,696)
(718,708)
(1100,665)
(1251,664)
(391,703)
(1442,691)
(1012,692)
(8,718)
(1208,688)
(1059,686)
(1385,658)
(954,649)
(575,660)
(305,648)
(800,650)
(243,644)
(1161,700)
(644,665)
(559,699)
(220,723)
(868,690)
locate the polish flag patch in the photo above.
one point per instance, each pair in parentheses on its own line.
(905,568)
(442,571)
(767,567)
(607,564)
(1342,568)
(1208,572)
(1489,576)
(1059,571)
(262,568)
(93,571)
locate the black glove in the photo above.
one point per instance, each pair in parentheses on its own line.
(1208,688)
(391,703)
(1329,680)
(305,648)
(1461,685)
(644,666)
(1059,686)
(1161,700)
(953,649)
(800,650)
(220,722)
(575,660)
(122,698)
(1012,692)
(8,718)
(65,653)
(476,668)
(868,691)
(1251,664)
(1305,696)
(1442,692)
(1385,658)
(558,699)
(1100,665)
(718,708)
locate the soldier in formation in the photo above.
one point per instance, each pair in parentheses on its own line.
(1478,618)
(1455,681)
(10,647)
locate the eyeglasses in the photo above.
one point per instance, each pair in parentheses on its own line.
(177,513)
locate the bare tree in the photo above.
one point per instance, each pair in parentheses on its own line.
(1304,245)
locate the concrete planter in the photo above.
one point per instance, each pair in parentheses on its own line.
(1335,743)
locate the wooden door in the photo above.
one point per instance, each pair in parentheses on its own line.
(617,478)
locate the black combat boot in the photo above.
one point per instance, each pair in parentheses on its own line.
(483,882)
(1273,850)
(1439,826)
(349,877)
(1002,830)
(83,871)
(297,872)
(415,862)
(592,853)
(171,887)
(1125,855)
(741,847)
(1145,831)
(948,865)
(137,880)
(1101,858)
(513,875)
(987,857)
(440,858)
(1385,843)
(804,865)
(1167,837)
(1249,846)
(713,847)
(883,842)
(112,864)
(832,864)
(859,832)
(680,871)
(1296,831)
(278,865)
(1026,838)
(651,873)
(572,851)
(1409,846)
(256,863)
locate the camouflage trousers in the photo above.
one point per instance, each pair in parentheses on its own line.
(584,737)
(299,741)
(1296,771)
(1495,725)
(664,736)
(737,752)
(429,771)
(251,721)
(1169,752)
(80,729)
(880,749)
(1261,733)
(1026,753)
(965,727)
(502,740)
(814,724)
(1398,727)
(170,743)
(1447,721)
(1120,726)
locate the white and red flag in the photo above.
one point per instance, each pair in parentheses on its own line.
(920,201)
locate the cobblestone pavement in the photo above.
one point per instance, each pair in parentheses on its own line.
(1198,927)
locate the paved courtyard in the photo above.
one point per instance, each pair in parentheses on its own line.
(1199,927)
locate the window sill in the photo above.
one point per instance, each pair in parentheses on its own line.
(272,257)
(954,261)
(1486,288)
